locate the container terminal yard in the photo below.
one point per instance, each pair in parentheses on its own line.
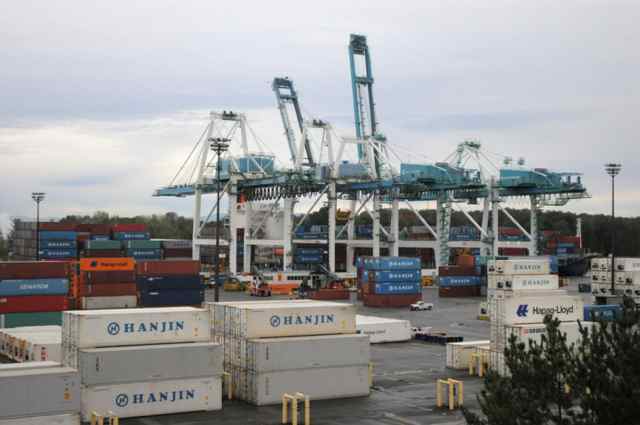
(261,318)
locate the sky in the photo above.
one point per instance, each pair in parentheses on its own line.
(100,102)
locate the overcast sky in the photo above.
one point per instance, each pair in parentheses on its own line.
(100,102)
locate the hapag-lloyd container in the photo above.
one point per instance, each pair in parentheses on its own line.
(112,302)
(110,328)
(519,266)
(41,391)
(273,354)
(54,286)
(65,419)
(382,329)
(533,309)
(153,398)
(523,282)
(161,362)
(458,354)
(275,320)
(318,384)
(106,264)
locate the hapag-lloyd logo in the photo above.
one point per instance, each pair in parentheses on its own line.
(114,328)
(297,319)
(523,310)
(123,400)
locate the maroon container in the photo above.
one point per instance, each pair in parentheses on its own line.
(178,253)
(392,301)
(168,267)
(129,228)
(109,277)
(33,304)
(458,271)
(33,269)
(95,229)
(102,253)
(58,227)
(108,289)
(459,291)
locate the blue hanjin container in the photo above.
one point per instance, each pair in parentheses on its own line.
(604,312)
(128,236)
(307,259)
(100,238)
(309,251)
(146,283)
(391,263)
(449,281)
(404,276)
(52,254)
(171,297)
(58,244)
(57,235)
(144,254)
(21,287)
(398,288)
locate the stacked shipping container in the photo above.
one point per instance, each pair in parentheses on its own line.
(169,283)
(627,277)
(460,281)
(33,286)
(101,283)
(389,281)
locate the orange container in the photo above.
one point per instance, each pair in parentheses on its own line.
(106,264)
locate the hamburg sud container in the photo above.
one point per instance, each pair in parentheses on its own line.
(523,282)
(50,390)
(519,266)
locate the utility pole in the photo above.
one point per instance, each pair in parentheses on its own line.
(613,170)
(38,197)
(218,145)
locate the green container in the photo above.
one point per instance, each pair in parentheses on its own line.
(14,320)
(143,244)
(100,245)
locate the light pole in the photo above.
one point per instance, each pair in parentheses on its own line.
(613,170)
(38,197)
(218,145)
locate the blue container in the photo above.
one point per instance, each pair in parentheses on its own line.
(58,244)
(399,288)
(18,287)
(605,312)
(171,297)
(450,281)
(391,263)
(403,276)
(52,254)
(309,251)
(130,236)
(307,259)
(100,238)
(144,254)
(147,283)
(57,235)
(553,266)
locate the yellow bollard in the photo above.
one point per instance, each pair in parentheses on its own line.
(285,410)
(96,419)
(455,387)
(370,375)
(286,398)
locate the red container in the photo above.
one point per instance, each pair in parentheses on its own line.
(33,304)
(108,289)
(95,229)
(513,252)
(459,291)
(168,267)
(178,253)
(33,269)
(129,228)
(393,301)
(102,253)
(510,231)
(457,271)
(58,227)
(109,277)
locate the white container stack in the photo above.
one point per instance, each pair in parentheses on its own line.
(521,292)
(144,362)
(382,329)
(273,348)
(37,393)
(31,343)
(459,353)
(627,277)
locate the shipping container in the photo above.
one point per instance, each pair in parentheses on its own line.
(533,309)
(524,282)
(390,301)
(458,354)
(54,286)
(57,235)
(519,266)
(58,244)
(456,281)
(165,268)
(55,254)
(117,365)
(391,276)
(169,282)
(153,398)
(180,253)
(171,297)
(130,227)
(103,245)
(144,254)
(319,384)
(91,329)
(102,253)
(142,244)
(56,227)
(603,312)
(108,302)
(459,291)
(28,365)
(57,391)
(305,352)
(175,243)
(390,263)
(13,320)
(628,264)
(308,251)
(400,288)
(382,329)
(459,271)
(106,264)
(96,229)
(65,419)
(33,303)
(43,347)
(128,236)
(107,289)
(126,276)
(533,333)
(33,269)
